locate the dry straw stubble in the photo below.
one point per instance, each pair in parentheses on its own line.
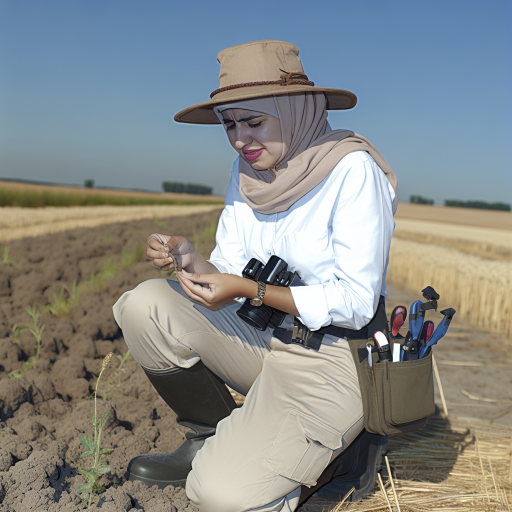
(478,288)
(450,466)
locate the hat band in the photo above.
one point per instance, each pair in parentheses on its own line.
(294,78)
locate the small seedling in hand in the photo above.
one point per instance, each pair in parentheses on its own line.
(92,449)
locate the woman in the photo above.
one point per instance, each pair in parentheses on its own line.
(321,200)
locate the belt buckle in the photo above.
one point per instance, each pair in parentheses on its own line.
(301,335)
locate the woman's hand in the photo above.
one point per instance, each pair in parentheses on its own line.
(159,248)
(215,290)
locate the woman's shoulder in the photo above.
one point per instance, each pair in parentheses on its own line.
(357,171)
(354,159)
(356,163)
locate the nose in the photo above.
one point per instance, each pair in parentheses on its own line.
(242,137)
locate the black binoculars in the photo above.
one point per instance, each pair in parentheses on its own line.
(274,272)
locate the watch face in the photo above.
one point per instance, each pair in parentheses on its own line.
(256,302)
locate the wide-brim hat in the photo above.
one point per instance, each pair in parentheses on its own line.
(258,69)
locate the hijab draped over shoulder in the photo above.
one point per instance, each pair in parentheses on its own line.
(311,150)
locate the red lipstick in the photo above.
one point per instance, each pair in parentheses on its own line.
(252,154)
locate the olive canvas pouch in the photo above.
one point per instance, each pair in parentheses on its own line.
(398,397)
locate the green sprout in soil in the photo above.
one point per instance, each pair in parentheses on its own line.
(67,298)
(64,300)
(92,448)
(16,331)
(7,259)
(158,223)
(107,391)
(206,236)
(130,258)
(36,329)
(111,268)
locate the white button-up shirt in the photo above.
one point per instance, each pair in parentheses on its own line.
(337,237)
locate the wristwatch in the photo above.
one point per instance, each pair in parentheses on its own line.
(258,300)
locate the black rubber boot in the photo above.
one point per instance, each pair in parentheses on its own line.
(356,467)
(200,400)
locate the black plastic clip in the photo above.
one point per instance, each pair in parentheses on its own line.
(301,335)
(432,296)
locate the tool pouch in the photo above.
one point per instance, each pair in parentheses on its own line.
(397,397)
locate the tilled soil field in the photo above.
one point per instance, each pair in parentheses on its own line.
(44,412)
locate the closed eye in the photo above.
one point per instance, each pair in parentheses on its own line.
(255,125)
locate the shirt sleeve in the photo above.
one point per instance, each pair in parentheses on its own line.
(229,255)
(362,227)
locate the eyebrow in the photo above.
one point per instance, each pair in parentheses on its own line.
(245,119)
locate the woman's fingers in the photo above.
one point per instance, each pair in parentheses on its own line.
(159,248)
(195,287)
(163,263)
(192,292)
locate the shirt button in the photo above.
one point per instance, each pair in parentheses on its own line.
(268,252)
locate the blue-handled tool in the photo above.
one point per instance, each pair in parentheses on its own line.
(440,331)
(416,316)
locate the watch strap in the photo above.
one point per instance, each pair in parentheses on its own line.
(258,300)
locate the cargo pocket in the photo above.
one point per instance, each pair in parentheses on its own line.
(303,448)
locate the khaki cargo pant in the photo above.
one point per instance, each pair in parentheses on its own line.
(302,407)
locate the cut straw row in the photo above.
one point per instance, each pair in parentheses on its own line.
(448,466)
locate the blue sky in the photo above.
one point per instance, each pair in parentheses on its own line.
(88,88)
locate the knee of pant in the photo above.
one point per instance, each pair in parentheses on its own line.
(212,493)
(132,310)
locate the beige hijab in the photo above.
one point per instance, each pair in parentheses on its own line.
(311,150)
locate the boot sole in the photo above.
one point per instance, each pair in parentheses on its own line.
(161,484)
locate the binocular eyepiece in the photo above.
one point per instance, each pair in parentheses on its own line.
(275,273)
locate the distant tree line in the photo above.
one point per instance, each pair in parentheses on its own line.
(484,205)
(421,200)
(187,188)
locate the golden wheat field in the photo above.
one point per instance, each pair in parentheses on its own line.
(69,189)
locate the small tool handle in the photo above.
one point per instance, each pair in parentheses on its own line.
(398,317)
(416,317)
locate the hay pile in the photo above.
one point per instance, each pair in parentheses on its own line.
(450,465)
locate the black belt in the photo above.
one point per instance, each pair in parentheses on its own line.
(313,339)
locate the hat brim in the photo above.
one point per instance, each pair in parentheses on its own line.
(202,113)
